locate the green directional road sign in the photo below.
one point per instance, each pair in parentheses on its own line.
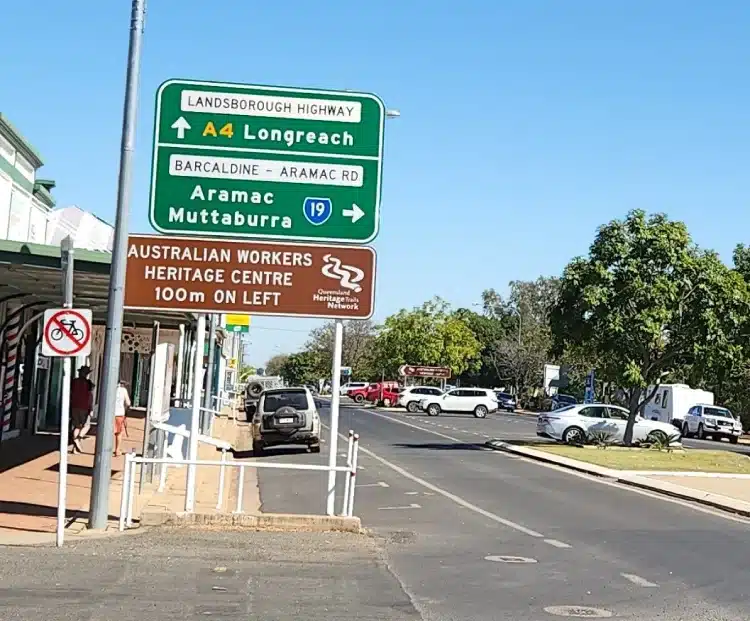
(266,162)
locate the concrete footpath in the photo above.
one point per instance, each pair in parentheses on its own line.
(169,574)
(722,491)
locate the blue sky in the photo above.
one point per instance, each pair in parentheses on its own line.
(525,123)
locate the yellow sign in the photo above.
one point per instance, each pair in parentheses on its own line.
(233,363)
(237,320)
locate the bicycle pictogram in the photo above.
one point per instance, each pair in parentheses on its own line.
(70,330)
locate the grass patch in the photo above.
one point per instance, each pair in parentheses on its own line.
(689,460)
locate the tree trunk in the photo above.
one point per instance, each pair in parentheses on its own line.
(633,402)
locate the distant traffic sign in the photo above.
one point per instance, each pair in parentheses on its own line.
(238,323)
(261,278)
(408,370)
(67,332)
(267,162)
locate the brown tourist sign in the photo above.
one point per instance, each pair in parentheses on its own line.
(408,370)
(260,278)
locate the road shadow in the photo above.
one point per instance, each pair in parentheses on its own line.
(30,508)
(441,446)
(84,471)
(25,449)
(271,451)
(524,442)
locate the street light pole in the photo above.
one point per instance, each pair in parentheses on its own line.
(99,510)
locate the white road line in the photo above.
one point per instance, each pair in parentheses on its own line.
(403,422)
(642,582)
(446,494)
(378,484)
(557,544)
(411,493)
(413,505)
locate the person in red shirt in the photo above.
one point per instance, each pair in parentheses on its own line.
(81,406)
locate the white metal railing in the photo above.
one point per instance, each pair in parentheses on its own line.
(127,496)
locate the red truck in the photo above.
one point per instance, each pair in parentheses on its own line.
(380,393)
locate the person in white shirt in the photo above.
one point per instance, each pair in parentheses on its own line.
(122,405)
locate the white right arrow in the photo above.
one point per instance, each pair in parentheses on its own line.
(355,213)
(181,125)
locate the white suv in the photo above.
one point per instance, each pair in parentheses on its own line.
(286,416)
(709,420)
(479,401)
(409,398)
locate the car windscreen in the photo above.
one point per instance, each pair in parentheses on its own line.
(717,412)
(293,398)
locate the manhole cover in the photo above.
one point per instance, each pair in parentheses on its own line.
(578,611)
(509,559)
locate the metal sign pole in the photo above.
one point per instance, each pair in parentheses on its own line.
(110,377)
(67,258)
(149,405)
(200,334)
(334,436)
(210,373)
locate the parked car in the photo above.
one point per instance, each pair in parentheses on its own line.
(573,423)
(286,416)
(711,421)
(561,401)
(409,398)
(506,401)
(479,401)
(380,393)
(344,390)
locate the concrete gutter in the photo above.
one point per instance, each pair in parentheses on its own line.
(717,501)
(263,521)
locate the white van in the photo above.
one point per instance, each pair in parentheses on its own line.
(671,402)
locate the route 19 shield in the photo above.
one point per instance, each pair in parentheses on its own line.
(67,332)
(317,210)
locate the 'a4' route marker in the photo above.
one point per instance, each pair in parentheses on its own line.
(67,332)
(266,162)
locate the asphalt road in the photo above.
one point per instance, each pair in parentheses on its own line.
(450,510)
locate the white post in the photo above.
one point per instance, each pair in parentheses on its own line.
(163,473)
(195,416)
(347,480)
(62,477)
(222,468)
(124,496)
(180,364)
(355,454)
(334,436)
(240,490)
(131,489)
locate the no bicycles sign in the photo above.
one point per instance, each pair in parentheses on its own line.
(67,332)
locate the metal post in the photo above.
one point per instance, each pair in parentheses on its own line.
(334,435)
(113,336)
(124,496)
(347,480)
(355,455)
(222,470)
(240,490)
(200,334)
(180,365)
(149,403)
(210,371)
(131,489)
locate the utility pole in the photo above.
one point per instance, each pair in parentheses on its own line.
(111,361)
(209,372)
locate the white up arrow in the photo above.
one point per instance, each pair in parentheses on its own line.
(355,213)
(181,125)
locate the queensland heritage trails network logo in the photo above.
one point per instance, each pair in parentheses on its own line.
(343,297)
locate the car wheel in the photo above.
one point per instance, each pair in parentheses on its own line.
(315,448)
(701,435)
(258,449)
(359,398)
(386,403)
(433,409)
(480,411)
(685,430)
(657,436)
(574,435)
(733,439)
(412,407)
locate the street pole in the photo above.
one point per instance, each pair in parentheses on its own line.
(111,361)
(210,371)
(333,440)
(149,412)
(200,334)
(67,258)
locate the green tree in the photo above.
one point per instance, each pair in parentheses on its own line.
(648,303)
(357,343)
(488,331)
(428,335)
(300,368)
(275,364)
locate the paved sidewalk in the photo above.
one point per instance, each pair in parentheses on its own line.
(724,491)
